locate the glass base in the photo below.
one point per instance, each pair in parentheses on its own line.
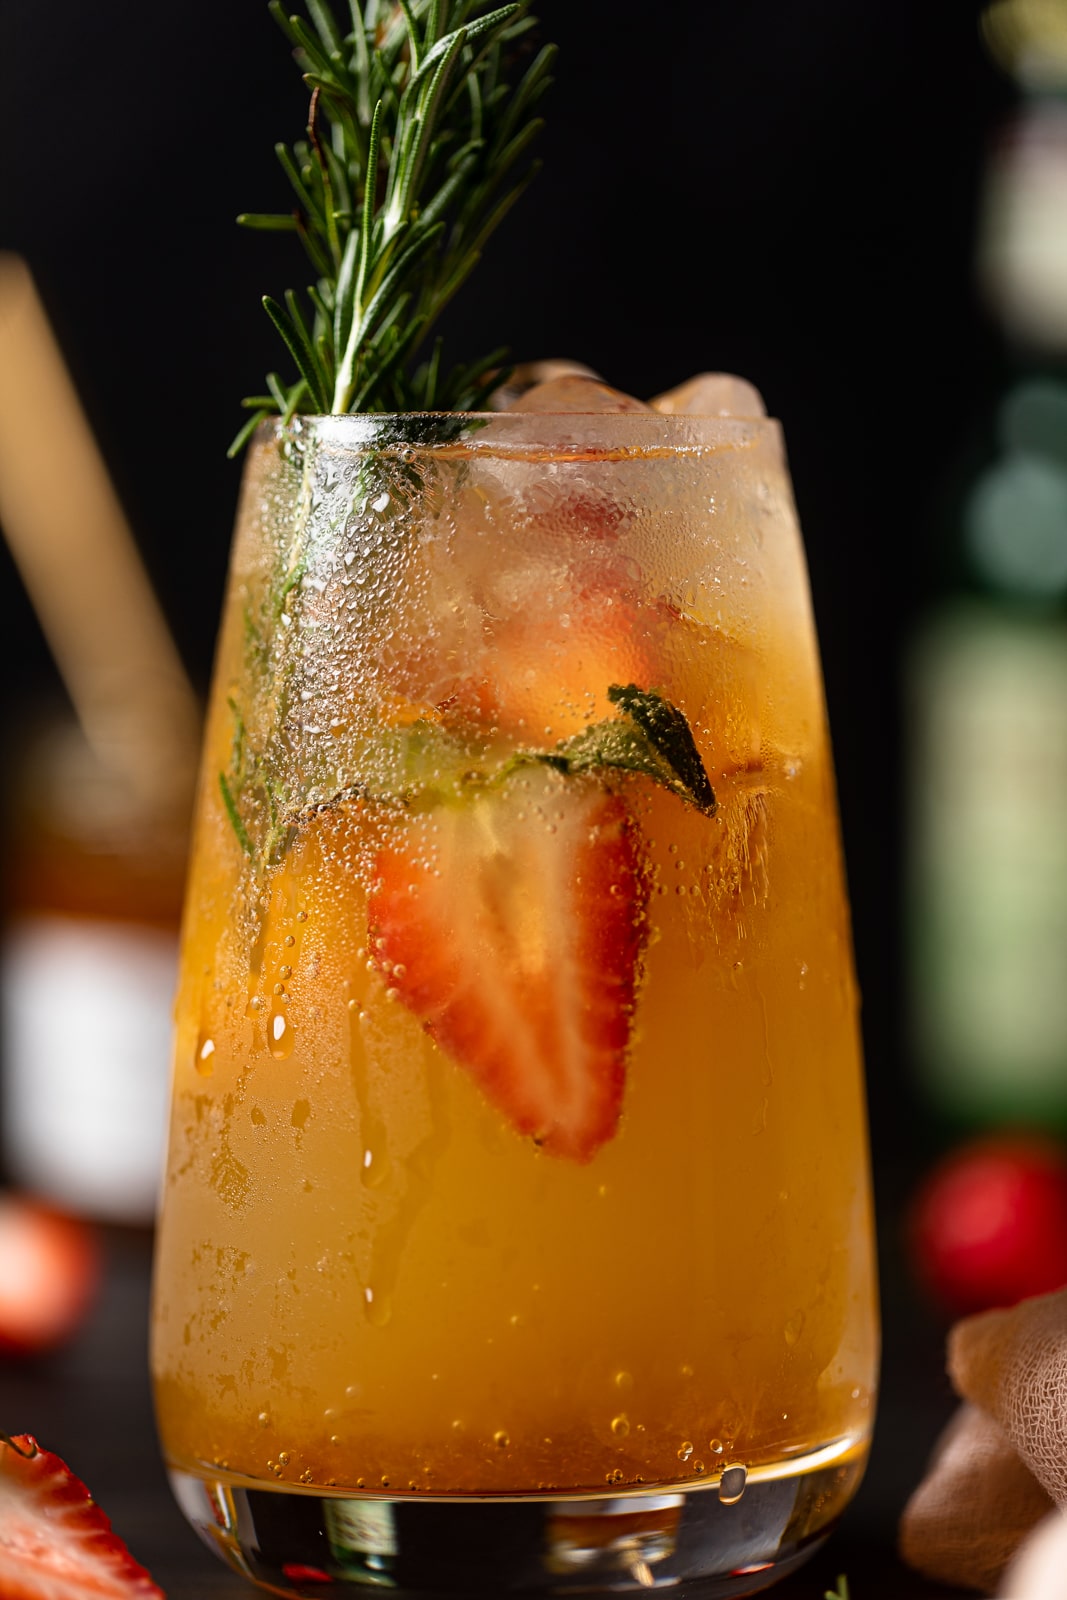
(725,1536)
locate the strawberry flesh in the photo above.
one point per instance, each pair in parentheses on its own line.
(512,925)
(55,1542)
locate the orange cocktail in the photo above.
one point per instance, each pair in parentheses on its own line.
(518,1141)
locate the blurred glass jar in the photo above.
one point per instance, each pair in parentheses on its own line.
(95,868)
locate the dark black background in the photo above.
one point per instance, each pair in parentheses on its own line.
(787,189)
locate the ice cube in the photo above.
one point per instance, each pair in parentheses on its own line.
(711,394)
(572,392)
(528,373)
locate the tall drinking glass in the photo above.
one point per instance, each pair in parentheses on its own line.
(516,1232)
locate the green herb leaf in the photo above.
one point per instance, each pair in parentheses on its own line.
(422,114)
(671,737)
(421,765)
(236,820)
(841,1592)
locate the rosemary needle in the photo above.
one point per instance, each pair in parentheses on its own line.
(422,114)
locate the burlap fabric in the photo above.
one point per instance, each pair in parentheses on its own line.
(1000,1466)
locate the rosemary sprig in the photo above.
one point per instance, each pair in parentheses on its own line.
(417,146)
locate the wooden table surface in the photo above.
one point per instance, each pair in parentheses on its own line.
(91,1404)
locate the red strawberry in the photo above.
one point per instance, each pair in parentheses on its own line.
(55,1542)
(511,924)
(49,1275)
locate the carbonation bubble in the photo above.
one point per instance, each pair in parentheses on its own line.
(715,1446)
(685,1450)
(501,1439)
(624,1381)
(732,1483)
(620,1425)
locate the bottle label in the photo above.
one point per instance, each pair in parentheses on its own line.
(988,869)
(86,1041)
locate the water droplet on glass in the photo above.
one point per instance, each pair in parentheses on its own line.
(379,1307)
(732,1483)
(281,1037)
(620,1425)
(204,1064)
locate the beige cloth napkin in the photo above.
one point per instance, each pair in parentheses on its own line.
(1039,1571)
(1000,1466)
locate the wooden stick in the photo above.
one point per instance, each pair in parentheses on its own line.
(78,559)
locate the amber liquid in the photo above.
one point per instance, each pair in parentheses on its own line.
(367,1279)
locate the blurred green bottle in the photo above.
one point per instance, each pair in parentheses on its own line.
(986,712)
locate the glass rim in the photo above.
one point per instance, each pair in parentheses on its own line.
(603,434)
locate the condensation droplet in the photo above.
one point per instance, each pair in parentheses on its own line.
(281,1037)
(732,1483)
(379,1308)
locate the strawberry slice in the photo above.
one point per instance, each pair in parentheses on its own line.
(55,1542)
(512,924)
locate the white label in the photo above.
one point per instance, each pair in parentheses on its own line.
(86,1041)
